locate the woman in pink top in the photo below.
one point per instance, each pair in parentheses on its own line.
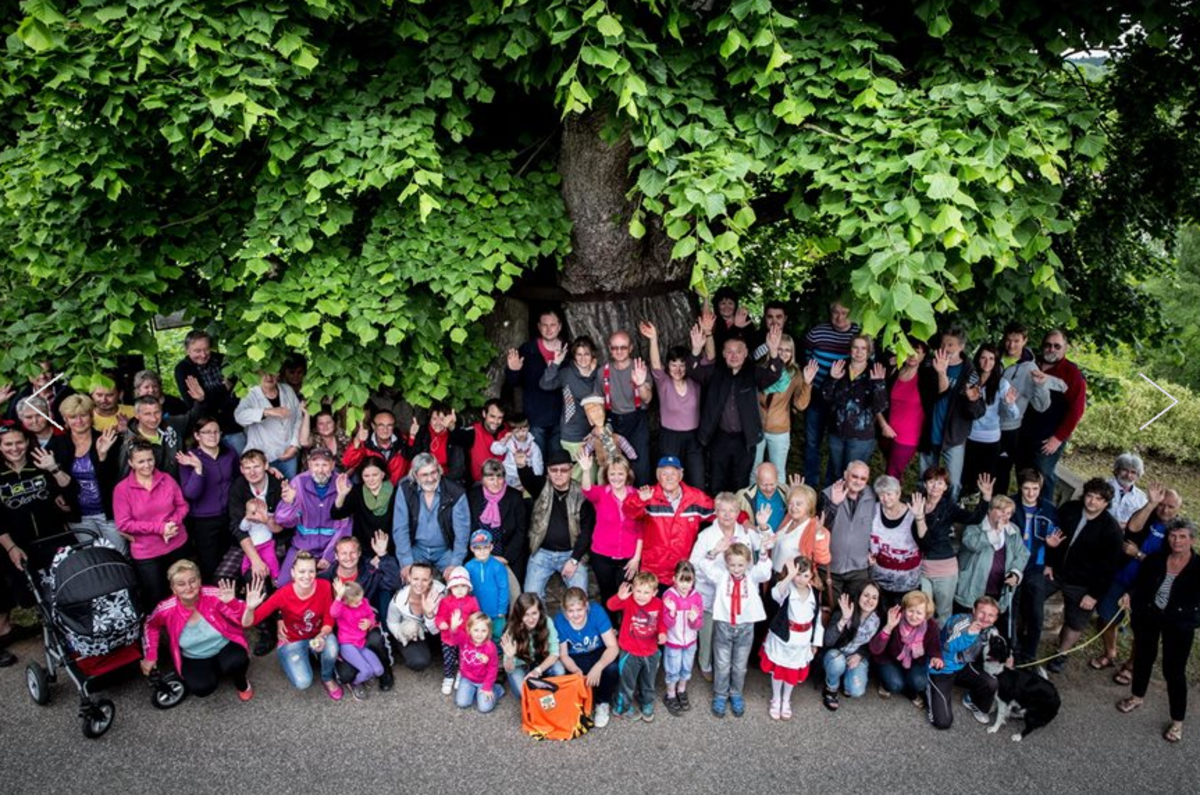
(901,429)
(148,506)
(616,552)
(678,399)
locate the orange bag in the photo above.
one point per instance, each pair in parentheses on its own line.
(556,708)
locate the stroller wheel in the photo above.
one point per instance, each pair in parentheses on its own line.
(167,691)
(98,718)
(38,683)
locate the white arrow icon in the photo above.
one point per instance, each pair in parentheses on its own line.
(1174,401)
(60,375)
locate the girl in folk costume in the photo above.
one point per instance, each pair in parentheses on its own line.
(795,635)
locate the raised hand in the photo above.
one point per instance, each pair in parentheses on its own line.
(286,492)
(838,369)
(837,492)
(560,355)
(741,318)
(941,361)
(845,605)
(190,460)
(917,501)
(1012,395)
(339,588)
(696,335)
(646,493)
(43,459)
(226,591)
(430,602)
(379,543)
(763,517)
(6,392)
(508,645)
(986,484)
(105,442)
(1053,540)
(1157,492)
(194,390)
(343,485)
(456,619)
(790,569)
(693,614)
(972,392)
(254,594)
(364,433)
(515,360)
(647,330)
(878,373)
(584,459)
(414,428)
(810,371)
(122,423)
(625,590)
(774,338)
(893,617)
(795,479)
(639,373)
(707,320)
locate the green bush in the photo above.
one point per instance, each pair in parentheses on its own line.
(1126,402)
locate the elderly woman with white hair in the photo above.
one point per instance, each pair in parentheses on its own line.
(992,560)
(1127,499)
(895,558)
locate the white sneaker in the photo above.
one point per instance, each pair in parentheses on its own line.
(447,685)
(979,714)
(600,716)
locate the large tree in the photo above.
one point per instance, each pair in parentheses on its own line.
(363,181)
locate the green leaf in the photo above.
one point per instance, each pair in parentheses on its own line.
(939,26)
(684,248)
(427,204)
(941,186)
(610,26)
(35,35)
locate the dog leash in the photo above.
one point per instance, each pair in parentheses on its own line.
(1121,616)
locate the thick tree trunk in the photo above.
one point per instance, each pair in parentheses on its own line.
(612,279)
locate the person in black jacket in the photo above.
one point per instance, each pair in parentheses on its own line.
(1082,557)
(949,392)
(91,459)
(379,576)
(730,419)
(510,536)
(203,365)
(525,367)
(261,553)
(369,504)
(1165,604)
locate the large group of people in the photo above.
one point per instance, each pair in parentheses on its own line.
(355,551)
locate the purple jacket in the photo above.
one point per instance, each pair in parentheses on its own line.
(208,494)
(316,530)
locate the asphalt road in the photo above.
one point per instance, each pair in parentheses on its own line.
(414,738)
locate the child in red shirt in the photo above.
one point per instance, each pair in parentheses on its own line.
(641,611)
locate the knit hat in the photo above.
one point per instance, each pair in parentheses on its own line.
(481,538)
(458,576)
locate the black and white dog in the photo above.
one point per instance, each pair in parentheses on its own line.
(1028,689)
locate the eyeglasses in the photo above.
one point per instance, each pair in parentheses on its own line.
(209,432)
(560,470)
(1056,346)
(618,347)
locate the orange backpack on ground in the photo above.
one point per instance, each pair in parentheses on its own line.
(556,708)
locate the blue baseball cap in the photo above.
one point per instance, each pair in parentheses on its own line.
(669,461)
(481,538)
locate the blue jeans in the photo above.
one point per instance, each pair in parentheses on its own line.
(441,558)
(677,663)
(547,438)
(776,447)
(235,440)
(838,673)
(288,467)
(516,677)
(843,451)
(814,429)
(296,660)
(952,458)
(543,564)
(910,682)
(731,655)
(469,693)
(1047,465)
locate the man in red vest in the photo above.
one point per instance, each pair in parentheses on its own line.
(477,440)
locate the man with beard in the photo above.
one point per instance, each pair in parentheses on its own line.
(477,440)
(305,504)
(1044,434)
(431,520)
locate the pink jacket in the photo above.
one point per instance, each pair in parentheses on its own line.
(478,664)
(347,619)
(449,603)
(172,616)
(681,632)
(142,513)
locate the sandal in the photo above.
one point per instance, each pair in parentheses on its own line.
(830,700)
(1102,662)
(1174,732)
(1129,704)
(1123,677)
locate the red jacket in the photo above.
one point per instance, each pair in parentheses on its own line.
(173,617)
(397,464)
(669,534)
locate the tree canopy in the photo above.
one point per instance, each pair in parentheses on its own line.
(360,180)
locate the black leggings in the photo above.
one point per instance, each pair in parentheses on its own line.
(1148,628)
(609,573)
(210,536)
(202,676)
(152,576)
(981,686)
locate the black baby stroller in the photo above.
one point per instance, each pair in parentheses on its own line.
(87,601)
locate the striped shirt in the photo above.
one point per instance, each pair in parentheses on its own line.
(827,345)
